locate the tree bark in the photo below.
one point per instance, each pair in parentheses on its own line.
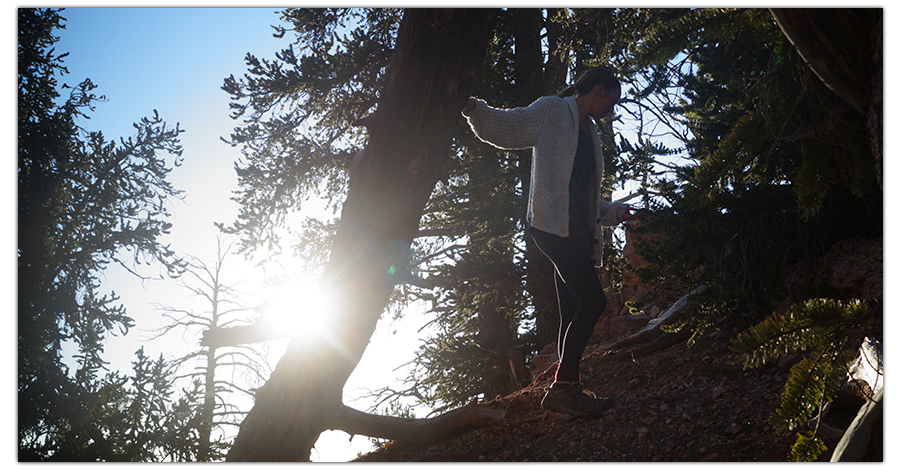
(843,47)
(415,430)
(837,46)
(852,446)
(438,53)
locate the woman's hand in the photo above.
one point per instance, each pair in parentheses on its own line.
(632,214)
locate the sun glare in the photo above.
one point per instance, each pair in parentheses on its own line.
(300,311)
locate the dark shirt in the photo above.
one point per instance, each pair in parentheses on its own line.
(580,184)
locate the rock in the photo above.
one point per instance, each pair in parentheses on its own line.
(667,449)
(854,268)
(632,287)
(734,428)
(786,362)
(869,365)
(547,357)
(642,433)
(718,391)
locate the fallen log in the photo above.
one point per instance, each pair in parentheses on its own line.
(415,430)
(659,343)
(853,445)
(869,366)
(650,337)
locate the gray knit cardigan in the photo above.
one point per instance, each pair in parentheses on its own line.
(549,126)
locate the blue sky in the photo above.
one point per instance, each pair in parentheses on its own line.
(173,61)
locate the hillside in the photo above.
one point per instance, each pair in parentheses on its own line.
(680,403)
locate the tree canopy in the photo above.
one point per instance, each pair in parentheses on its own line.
(723,126)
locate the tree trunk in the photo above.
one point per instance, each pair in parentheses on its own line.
(532,82)
(558,61)
(843,47)
(437,56)
(837,46)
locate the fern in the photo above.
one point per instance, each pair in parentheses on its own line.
(813,382)
(827,332)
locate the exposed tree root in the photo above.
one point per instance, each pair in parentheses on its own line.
(416,430)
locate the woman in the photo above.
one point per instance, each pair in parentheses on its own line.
(565,210)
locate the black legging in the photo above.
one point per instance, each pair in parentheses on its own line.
(578,289)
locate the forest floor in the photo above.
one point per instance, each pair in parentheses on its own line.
(679,404)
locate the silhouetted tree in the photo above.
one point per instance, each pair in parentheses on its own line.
(474,221)
(83,204)
(728,146)
(780,167)
(224,396)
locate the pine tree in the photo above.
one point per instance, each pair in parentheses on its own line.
(371,31)
(430,74)
(780,169)
(492,296)
(83,203)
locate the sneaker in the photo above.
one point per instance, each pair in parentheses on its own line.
(569,398)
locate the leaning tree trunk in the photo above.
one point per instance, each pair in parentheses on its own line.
(438,53)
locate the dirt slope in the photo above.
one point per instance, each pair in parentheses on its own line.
(678,404)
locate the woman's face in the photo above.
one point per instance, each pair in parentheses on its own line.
(603,101)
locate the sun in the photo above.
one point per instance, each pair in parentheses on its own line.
(301,311)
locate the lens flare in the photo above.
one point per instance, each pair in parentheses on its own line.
(301,311)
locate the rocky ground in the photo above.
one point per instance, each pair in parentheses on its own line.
(678,404)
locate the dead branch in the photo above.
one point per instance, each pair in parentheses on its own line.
(260,331)
(649,337)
